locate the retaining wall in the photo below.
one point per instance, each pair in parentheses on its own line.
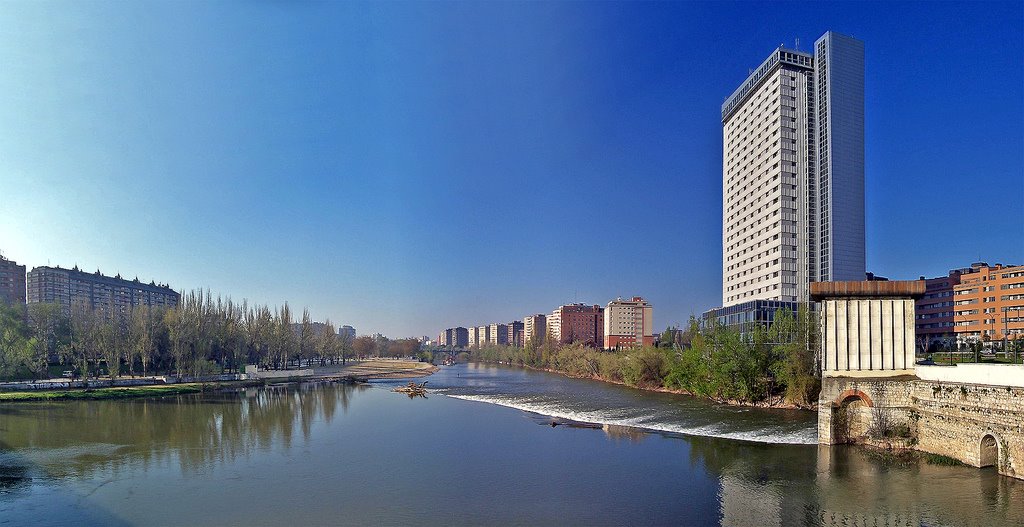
(978,424)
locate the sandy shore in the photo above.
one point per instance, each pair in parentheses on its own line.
(377,369)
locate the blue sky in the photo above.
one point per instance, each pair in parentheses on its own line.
(404,167)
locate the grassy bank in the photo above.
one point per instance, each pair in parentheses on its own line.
(99,393)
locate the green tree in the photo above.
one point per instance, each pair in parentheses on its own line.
(667,339)
(284,338)
(327,345)
(305,344)
(52,331)
(15,340)
(796,342)
(364,346)
(86,338)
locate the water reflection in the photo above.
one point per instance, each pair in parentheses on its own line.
(851,486)
(628,433)
(196,431)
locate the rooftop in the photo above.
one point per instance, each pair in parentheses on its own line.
(868,289)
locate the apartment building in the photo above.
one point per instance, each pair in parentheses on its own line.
(460,337)
(628,323)
(515,333)
(498,334)
(577,323)
(535,329)
(988,303)
(12,282)
(933,326)
(446,337)
(106,294)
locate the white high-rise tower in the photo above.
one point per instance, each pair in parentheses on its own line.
(793,174)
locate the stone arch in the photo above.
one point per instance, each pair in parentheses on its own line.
(852,416)
(849,395)
(988,450)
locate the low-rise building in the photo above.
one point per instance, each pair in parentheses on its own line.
(628,323)
(12,282)
(741,317)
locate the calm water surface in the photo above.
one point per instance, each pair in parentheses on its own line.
(479,450)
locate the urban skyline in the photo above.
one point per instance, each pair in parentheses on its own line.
(390,272)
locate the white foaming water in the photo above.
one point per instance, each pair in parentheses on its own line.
(612,417)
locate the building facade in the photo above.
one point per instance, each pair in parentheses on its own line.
(933,324)
(12,282)
(446,337)
(535,328)
(577,323)
(350,332)
(628,323)
(793,174)
(740,317)
(515,333)
(474,341)
(460,337)
(988,304)
(106,294)
(483,335)
(498,334)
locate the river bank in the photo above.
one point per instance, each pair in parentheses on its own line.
(776,402)
(99,393)
(158,386)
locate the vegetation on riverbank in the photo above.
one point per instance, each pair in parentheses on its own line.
(939,459)
(99,393)
(203,335)
(772,365)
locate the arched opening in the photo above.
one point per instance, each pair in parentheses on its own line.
(852,416)
(989,455)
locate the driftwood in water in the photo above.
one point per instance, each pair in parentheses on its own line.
(413,390)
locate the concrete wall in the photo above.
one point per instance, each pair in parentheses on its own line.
(991,374)
(867,337)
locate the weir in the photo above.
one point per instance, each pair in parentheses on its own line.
(873,392)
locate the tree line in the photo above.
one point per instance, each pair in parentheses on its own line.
(202,335)
(764,364)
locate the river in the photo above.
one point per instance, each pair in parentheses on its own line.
(481,449)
